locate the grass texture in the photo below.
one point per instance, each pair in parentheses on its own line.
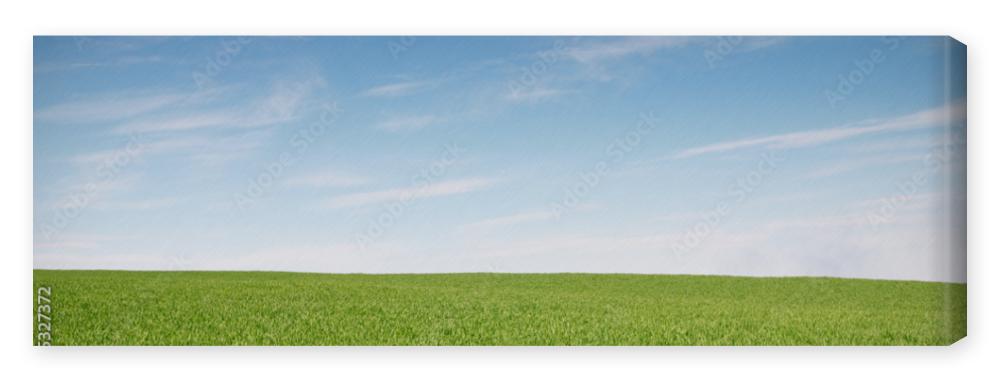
(273,308)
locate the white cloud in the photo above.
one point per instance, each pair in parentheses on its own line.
(450,187)
(283,104)
(63,260)
(578,245)
(624,47)
(72,241)
(184,122)
(619,48)
(78,192)
(203,150)
(759,42)
(922,143)
(137,205)
(79,184)
(106,108)
(332,257)
(509,220)
(533,94)
(332,180)
(123,61)
(935,117)
(395,90)
(863,163)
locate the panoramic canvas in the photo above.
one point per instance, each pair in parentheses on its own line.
(499,190)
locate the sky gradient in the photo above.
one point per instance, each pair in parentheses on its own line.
(766,156)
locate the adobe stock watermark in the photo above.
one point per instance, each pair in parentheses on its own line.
(107,171)
(299,144)
(390,212)
(614,153)
(530,75)
(82,42)
(861,71)
(722,48)
(741,189)
(907,188)
(229,50)
(180,260)
(400,45)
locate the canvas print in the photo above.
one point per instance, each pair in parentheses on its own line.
(499,190)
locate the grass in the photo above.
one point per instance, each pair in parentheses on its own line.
(271,308)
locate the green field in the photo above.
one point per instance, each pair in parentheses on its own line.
(270,308)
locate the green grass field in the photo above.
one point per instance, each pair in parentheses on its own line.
(269,308)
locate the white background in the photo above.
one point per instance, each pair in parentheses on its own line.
(971,22)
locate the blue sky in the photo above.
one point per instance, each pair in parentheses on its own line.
(766,156)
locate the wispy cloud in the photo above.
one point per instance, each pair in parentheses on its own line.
(72,242)
(443,188)
(93,159)
(935,117)
(624,47)
(184,122)
(581,244)
(533,94)
(922,143)
(760,42)
(123,61)
(104,108)
(282,104)
(327,180)
(138,205)
(204,150)
(407,123)
(863,163)
(78,191)
(224,150)
(503,221)
(396,89)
